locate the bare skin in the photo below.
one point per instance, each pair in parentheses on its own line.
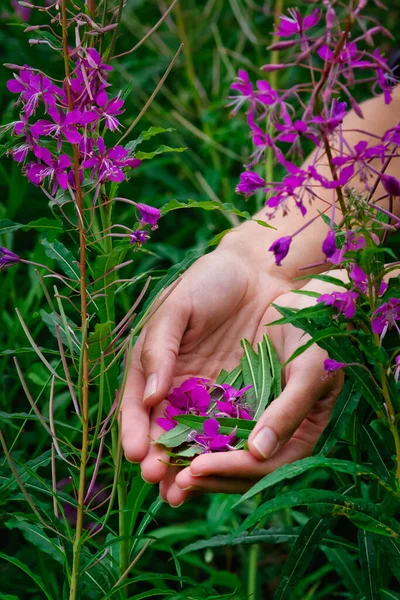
(223,297)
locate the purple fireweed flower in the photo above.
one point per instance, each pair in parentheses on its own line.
(391,185)
(53,168)
(7,258)
(250,182)
(108,163)
(37,88)
(296,23)
(211,440)
(397,368)
(168,421)
(109,109)
(383,77)
(265,94)
(65,124)
(329,244)
(352,243)
(139,237)
(293,131)
(280,248)
(96,68)
(149,215)
(331,365)
(191,397)
(232,408)
(360,280)
(243,85)
(386,316)
(334,118)
(290,187)
(344,302)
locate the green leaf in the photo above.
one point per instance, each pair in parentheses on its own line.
(101,272)
(276,368)
(344,407)
(134,502)
(7,226)
(273,535)
(146,135)
(301,466)
(249,364)
(205,205)
(300,556)
(43,224)
(389,595)
(17,563)
(325,278)
(52,319)
(160,150)
(58,252)
(265,379)
(175,437)
(38,537)
(369,565)
(373,445)
(242,427)
(346,568)
(360,512)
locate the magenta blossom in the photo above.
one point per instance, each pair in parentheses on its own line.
(344,302)
(243,85)
(232,405)
(211,440)
(397,368)
(55,169)
(109,109)
(330,365)
(149,215)
(32,88)
(108,163)
(296,23)
(280,248)
(329,244)
(352,243)
(360,280)
(7,258)
(386,316)
(191,397)
(391,185)
(139,237)
(65,124)
(250,183)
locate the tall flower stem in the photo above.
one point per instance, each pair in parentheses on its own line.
(392,423)
(106,213)
(273,81)
(84,378)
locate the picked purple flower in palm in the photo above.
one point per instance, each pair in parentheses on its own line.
(213,441)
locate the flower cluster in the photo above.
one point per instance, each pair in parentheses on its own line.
(282,123)
(197,396)
(56,120)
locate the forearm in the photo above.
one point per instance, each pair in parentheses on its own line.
(253,240)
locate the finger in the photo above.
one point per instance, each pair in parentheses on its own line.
(168,479)
(134,416)
(169,492)
(241,464)
(186,482)
(306,383)
(161,345)
(155,464)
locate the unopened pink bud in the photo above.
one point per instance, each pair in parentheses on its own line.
(282,45)
(33,41)
(26,5)
(330,18)
(273,67)
(32,28)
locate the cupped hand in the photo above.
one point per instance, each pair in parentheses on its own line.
(195,332)
(290,426)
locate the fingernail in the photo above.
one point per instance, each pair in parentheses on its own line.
(151,386)
(266,442)
(189,487)
(177,505)
(197,474)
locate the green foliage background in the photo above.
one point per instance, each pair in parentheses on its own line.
(220,36)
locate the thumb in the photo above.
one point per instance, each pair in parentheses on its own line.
(285,414)
(160,349)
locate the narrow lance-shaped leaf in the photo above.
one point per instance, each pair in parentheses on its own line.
(369,565)
(300,556)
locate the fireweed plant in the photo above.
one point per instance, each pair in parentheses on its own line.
(68,140)
(333,50)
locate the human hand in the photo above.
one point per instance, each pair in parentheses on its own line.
(196,332)
(290,426)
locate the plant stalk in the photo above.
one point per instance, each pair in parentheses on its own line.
(84,379)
